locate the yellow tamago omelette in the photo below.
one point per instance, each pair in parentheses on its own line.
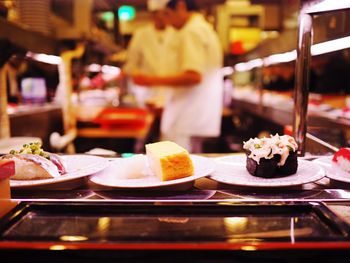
(169,160)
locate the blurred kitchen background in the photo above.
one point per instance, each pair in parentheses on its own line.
(61,78)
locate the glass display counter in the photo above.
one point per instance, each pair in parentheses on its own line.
(206,220)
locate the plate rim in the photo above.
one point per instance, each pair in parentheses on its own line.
(336,178)
(319,175)
(102,164)
(164,183)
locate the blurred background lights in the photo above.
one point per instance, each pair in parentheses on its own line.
(107,16)
(126,13)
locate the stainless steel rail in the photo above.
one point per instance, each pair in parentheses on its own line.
(309,8)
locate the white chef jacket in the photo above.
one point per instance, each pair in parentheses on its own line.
(196,110)
(150,53)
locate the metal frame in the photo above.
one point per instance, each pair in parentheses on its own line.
(215,209)
(309,8)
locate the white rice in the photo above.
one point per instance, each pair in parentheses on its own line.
(133,167)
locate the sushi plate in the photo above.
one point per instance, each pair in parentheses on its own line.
(333,171)
(116,177)
(232,170)
(78,166)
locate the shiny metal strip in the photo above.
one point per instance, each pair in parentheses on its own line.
(301,89)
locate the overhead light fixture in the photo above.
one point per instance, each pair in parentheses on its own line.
(50,59)
(330,46)
(107,16)
(126,12)
(326,5)
(316,49)
(246,66)
(280,58)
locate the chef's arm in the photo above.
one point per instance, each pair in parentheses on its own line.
(187,78)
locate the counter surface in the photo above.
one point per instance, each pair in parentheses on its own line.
(200,218)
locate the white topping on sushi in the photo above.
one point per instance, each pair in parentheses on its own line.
(343,163)
(268,147)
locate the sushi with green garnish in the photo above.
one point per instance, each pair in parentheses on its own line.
(32,162)
(271,157)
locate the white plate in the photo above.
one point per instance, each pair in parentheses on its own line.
(232,170)
(78,166)
(109,177)
(333,171)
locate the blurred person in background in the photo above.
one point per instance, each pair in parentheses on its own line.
(193,110)
(149,53)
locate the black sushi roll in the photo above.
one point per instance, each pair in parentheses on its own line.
(267,168)
(290,166)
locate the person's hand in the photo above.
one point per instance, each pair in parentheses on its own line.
(143,80)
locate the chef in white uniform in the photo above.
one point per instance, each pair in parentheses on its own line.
(194,108)
(148,53)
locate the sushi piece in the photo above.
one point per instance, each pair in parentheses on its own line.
(266,168)
(289,156)
(169,161)
(7,169)
(31,167)
(290,166)
(261,160)
(271,157)
(133,167)
(342,159)
(31,163)
(59,162)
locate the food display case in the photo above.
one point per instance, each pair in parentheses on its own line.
(320,95)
